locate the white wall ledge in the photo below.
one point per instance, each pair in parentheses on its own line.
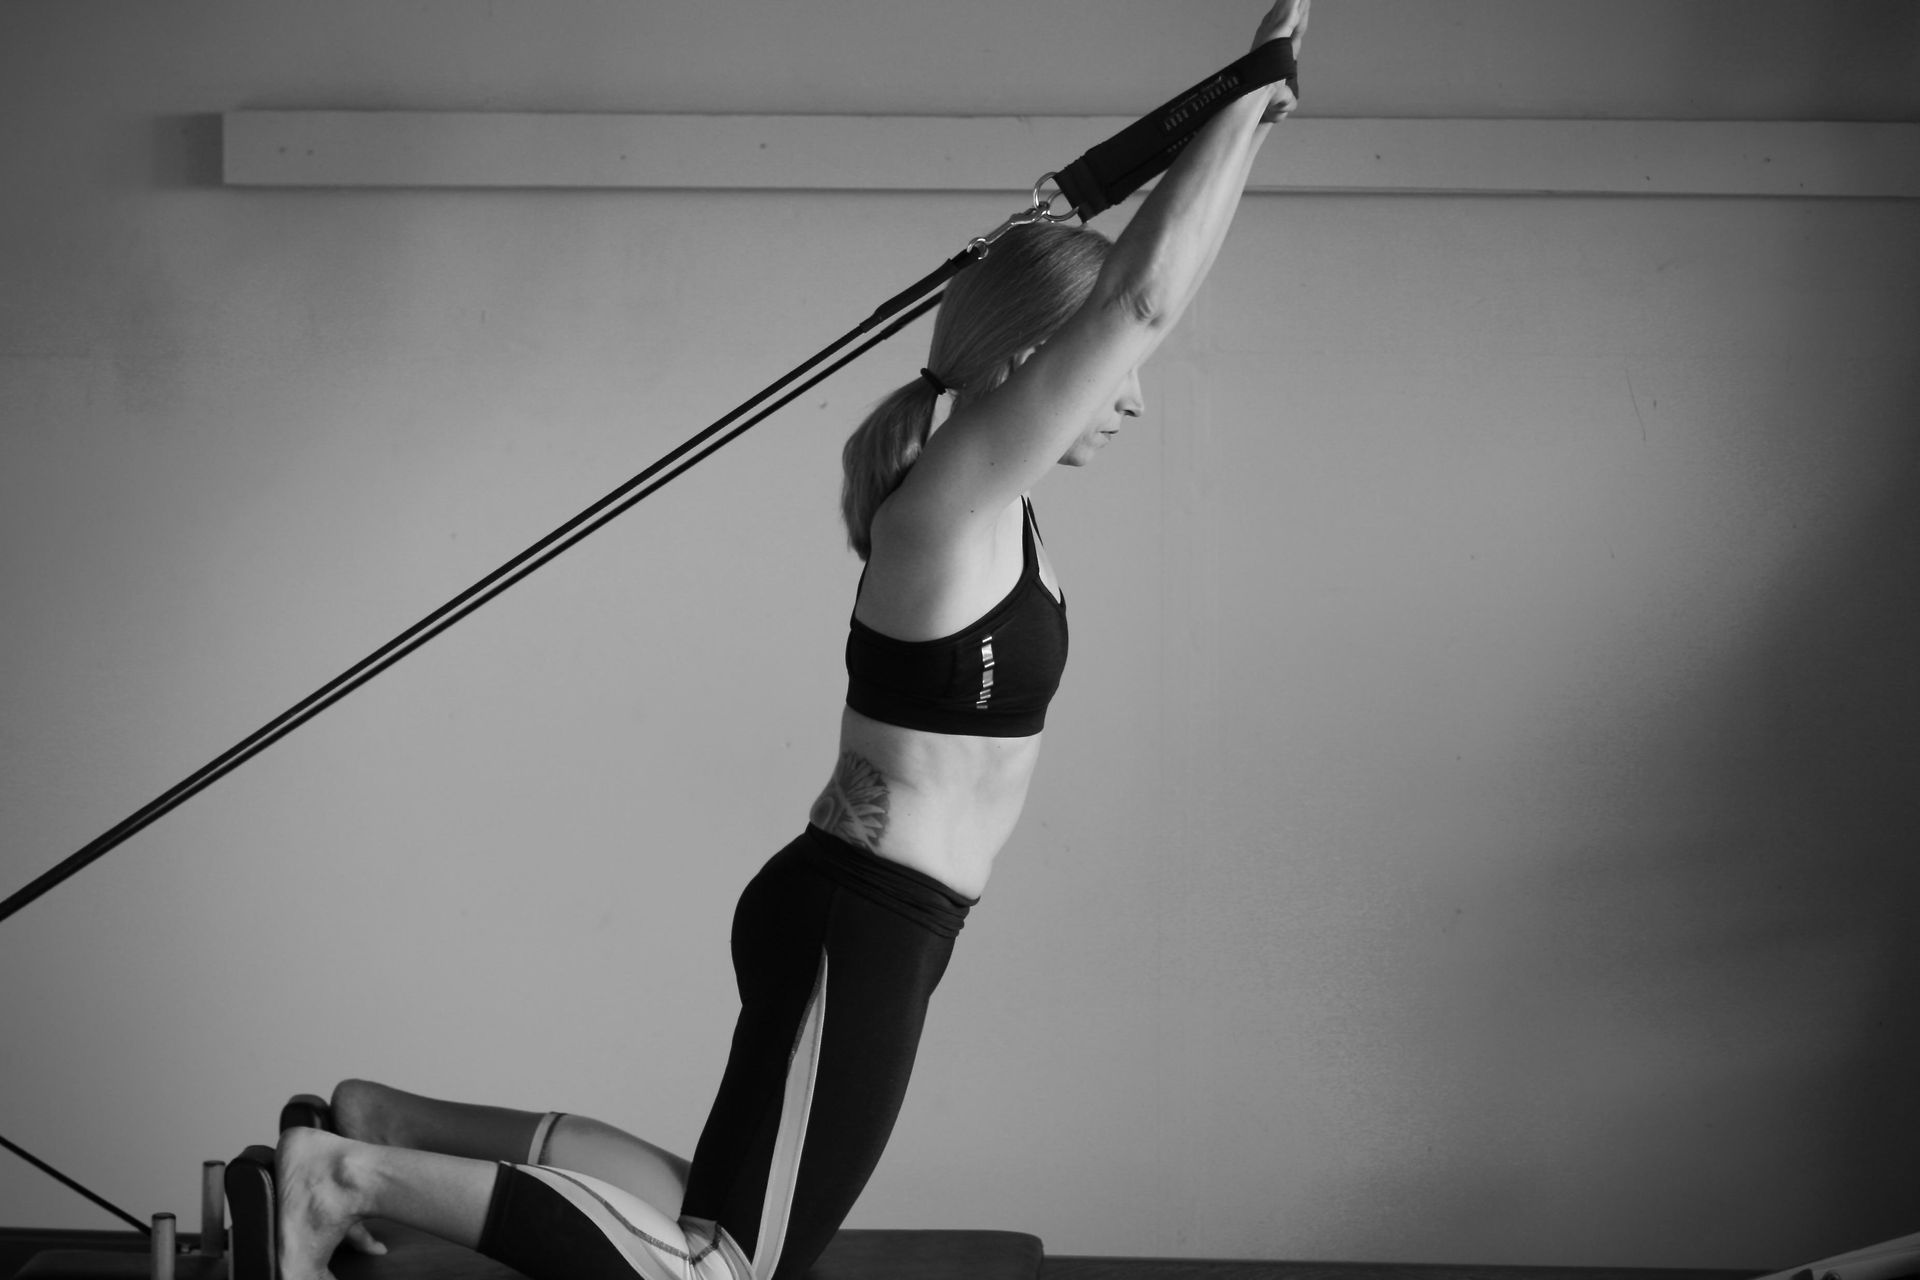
(390,149)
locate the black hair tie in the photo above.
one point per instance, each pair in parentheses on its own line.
(932,379)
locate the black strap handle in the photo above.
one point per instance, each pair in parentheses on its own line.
(1121,165)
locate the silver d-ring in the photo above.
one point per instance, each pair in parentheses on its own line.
(1043,205)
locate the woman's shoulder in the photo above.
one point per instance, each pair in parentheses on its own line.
(919,579)
(909,525)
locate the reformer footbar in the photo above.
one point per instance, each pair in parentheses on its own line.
(1102,177)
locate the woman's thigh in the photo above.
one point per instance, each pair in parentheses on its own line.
(834,983)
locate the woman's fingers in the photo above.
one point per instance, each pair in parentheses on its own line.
(1295,24)
(1287,18)
(1281,104)
(1270,27)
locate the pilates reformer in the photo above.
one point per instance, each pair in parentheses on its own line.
(1106,174)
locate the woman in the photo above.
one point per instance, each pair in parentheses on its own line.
(957,641)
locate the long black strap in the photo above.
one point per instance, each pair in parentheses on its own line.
(1103,176)
(491,586)
(1106,174)
(1120,166)
(71,1185)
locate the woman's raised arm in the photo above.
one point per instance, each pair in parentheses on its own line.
(994,449)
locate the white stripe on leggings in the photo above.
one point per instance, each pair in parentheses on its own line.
(653,1246)
(658,1248)
(797,1102)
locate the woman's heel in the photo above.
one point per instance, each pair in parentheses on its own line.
(306,1111)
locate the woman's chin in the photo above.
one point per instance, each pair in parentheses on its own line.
(1083,452)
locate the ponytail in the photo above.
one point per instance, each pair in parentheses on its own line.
(876,457)
(1031,283)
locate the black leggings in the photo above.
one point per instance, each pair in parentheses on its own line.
(836,953)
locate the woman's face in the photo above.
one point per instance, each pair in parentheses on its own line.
(1104,426)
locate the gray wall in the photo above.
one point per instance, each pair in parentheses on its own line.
(1478,821)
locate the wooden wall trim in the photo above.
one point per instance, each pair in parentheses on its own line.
(402,149)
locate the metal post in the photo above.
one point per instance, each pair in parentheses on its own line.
(163,1246)
(213,1208)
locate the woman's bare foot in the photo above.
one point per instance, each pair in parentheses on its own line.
(319,1201)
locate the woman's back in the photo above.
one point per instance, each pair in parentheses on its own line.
(949,675)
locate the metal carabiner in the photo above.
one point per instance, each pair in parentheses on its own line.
(1040,209)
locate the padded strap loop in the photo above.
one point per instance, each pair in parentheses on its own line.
(1121,165)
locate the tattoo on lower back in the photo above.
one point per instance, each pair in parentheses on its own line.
(854,804)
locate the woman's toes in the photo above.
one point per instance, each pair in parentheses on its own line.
(362,1239)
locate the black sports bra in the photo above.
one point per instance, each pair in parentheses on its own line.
(993,679)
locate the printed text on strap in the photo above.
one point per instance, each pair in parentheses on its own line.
(1115,169)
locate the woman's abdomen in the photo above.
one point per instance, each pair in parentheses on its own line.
(943,804)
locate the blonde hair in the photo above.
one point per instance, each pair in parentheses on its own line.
(1030,283)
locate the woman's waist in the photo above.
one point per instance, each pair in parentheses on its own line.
(819,860)
(942,804)
(955,845)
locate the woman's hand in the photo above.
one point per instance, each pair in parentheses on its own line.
(1287,19)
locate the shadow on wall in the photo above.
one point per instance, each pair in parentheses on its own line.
(1835,691)
(1757,961)
(1732,995)
(1857,61)
(1863,55)
(186,151)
